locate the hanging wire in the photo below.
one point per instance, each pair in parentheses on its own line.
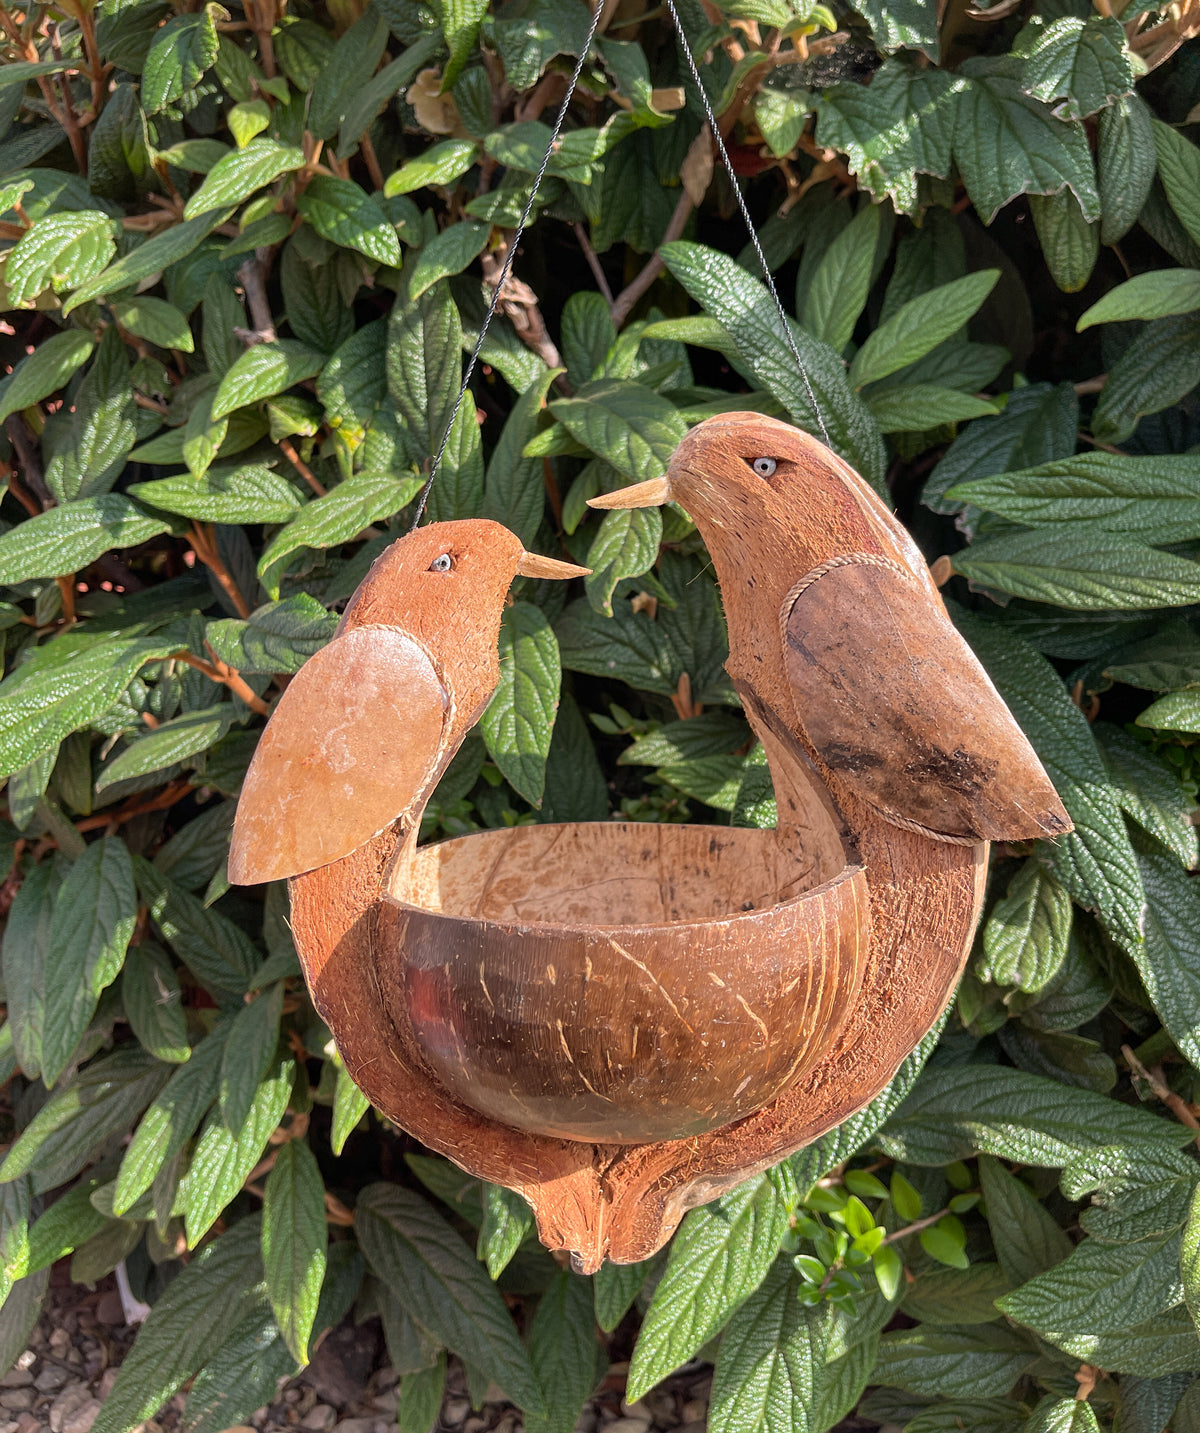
(789,336)
(506,268)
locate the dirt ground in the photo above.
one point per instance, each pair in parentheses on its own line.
(60,1381)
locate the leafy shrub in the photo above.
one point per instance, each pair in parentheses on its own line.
(243,252)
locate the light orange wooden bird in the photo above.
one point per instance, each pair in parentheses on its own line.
(368,725)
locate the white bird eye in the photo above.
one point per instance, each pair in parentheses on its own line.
(764,467)
(442,564)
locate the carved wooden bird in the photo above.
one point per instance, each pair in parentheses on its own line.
(840,645)
(368,725)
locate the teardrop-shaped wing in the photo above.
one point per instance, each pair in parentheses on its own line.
(897,705)
(353,743)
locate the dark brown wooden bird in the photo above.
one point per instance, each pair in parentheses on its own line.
(368,725)
(840,646)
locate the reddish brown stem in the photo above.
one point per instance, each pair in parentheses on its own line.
(288,450)
(654,266)
(371,160)
(204,545)
(137,806)
(219,671)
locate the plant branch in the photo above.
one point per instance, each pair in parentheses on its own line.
(287,448)
(27,456)
(219,671)
(253,278)
(138,806)
(654,266)
(1154,1078)
(915,1228)
(594,264)
(204,545)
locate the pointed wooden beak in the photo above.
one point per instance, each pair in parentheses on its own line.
(641,495)
(533,564)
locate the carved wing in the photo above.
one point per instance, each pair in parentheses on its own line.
(353,743)
(896,704)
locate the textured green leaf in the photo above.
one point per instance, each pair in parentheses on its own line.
(507,1220)
(955,1112)
(624,423)
(898,126)
(247,494)
(821,395)
(25,950)
(1158,294)
(1069,242)
(178,56)
(1126,162)
(1083,63)
(344,71)
(222,1161)
(188,1324)
(216,951)
(346,215)
(721,1254)
(1179,168)
(519,720)
(442,163)
(43,372)
(460,21)
(919,326)
(94,914)
(449,253)
(424,364)
(263,371)
(514,491)
(1063,1415)
(984,1360)
(65,539)
(956,1296)
(1152,1349)
(1090,572)
(87,455)
(241,173)
(562,1348)
(839,288)
(171,741)
(918,407)
(1150,792)
(1006,143)
(442,1284)
(765,1372)
(349,1106)
(249,1053)
(151,998)
(293,1243)
(625,545)
(1025,939)
(62,250)
(156,254)
(1158,368)
(279,637)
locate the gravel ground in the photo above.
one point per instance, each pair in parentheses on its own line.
(62,1378)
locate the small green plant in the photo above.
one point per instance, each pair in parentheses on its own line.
(244,248)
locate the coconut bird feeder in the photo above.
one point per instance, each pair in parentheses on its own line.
(621,1020)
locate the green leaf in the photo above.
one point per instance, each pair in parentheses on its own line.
(344,72)
(241,173)
(1069,242)
(1095,861)
(421,1398)
(900,125)
(175,740)
(43,372)
(65,539)
(442,163)
(507,1220)
(25,951)
(346,215)
(1159,367)
(458,492)
(562,1349)
(1154,499)
(460,21)
(919,326)
(448,253)
(1025,939)
(625,545)
(956,1296)
(367,100)
(1152,1349)
(190,1322)
(249,1053)
(293,1243)
(247,494)
(221,1161)
(339,516)
(153,1005)
(721,1254)
(94,915)
(1126,163)
(1158,294)
(100,1101)
(69,1222)
(1177,711)
(278,637)
(741,304)
(263,371)
(349,1106)
(1006,143)
(918,407)
(424,366)
(519,720)
(170,1121)
(217,952)
(625,423)
(62,250)
(39,708)
(242,1375)
(839,288)
(1166,960)
(1149,791)
(983,1360)
(180,53)
(615,1287)
(1089,572)
(955,1112)
(1063,1415)
(1101,1287)
(1179,169)
(156,254)
(441,1283)
(910,25)
(1081,62)
(88,453)
(514,491)
(20,1314)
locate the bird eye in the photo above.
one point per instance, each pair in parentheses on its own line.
(442,564)
(764,467)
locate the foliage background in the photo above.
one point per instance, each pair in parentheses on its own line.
(244,248)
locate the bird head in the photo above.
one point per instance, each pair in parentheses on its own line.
(446,584)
